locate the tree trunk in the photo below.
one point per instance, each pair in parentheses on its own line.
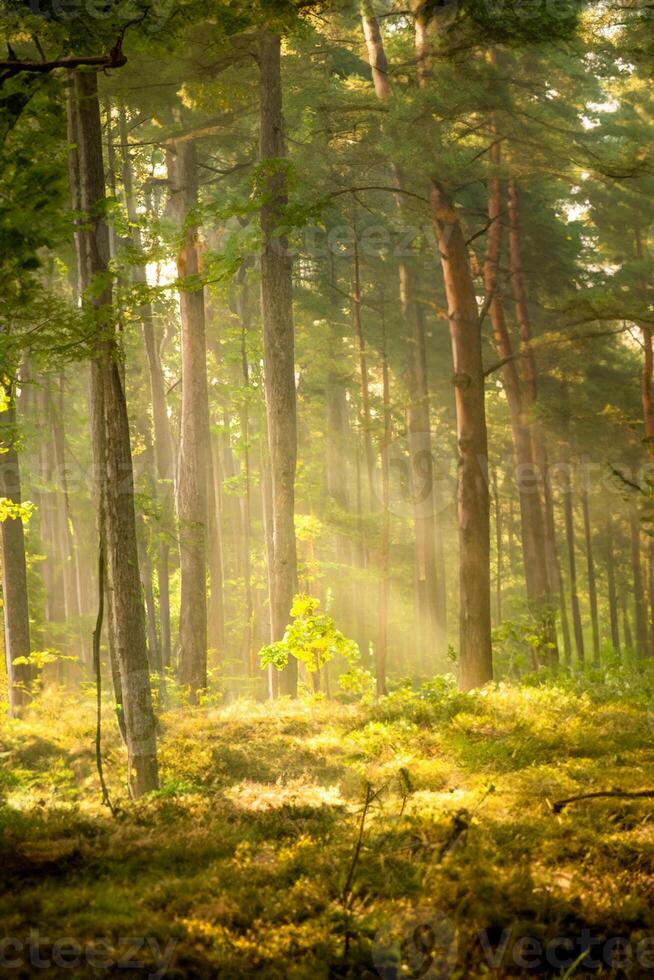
(431,605)
(376,54)
(530,382)
(475,652)
(14,566)
(639,593)
(610,580)
(531,515)
(360,344)
(628,635)
(475,656)
(572,567)
(429,601)
(246,499)
(592,581)
(499,551)
(279,348)
(194,445)
(384,551)
(115,462)
(164,448)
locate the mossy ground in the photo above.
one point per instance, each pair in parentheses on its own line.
(243,857)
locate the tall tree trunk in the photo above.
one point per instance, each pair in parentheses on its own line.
(364,383)
(115,462)
(572,570)
(499,551)
(639,592)
(246,499)
(592,581)
(278,347)
(430,601)
(194,445)
(376,54)
(531,515)
(628,635)
(475,656)
(14,565)
(530,382)
(164,449)
(475,652)
(384,551)
(73,574)
(610,580)
(430,574)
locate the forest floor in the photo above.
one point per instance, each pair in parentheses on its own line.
(260,857)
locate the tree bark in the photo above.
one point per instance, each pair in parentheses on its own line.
(164,448)
(531,515)
(364,384)
(475,656)
(639,592)
(194,444)
(115,462)
(530,388)
(384,551)
(572,568)
(611,588)
(279,347)
(592,580)
(499,550)
(14,566)
(430,600)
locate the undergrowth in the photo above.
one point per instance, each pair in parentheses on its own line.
(255,858)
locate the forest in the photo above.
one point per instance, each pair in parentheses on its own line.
(327,489)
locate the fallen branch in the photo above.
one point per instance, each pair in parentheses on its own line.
(645,794)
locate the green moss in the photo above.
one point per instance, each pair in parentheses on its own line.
(244,854)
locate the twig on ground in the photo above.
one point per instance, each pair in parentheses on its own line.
(645,794)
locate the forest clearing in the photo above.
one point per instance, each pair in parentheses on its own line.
(327,488)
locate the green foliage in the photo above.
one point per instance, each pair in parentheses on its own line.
(312,638)
(9,510)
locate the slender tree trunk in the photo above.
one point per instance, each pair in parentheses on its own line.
(246,499)
(475,657)
(376,54)
(268,531)
(384,556)
(499,552)
(610,580)
(430,574)
(216,610)
(194,446)
(428,601)
(164,449)
(72,568)
(115,462)
(628,635)
(530,382)
(337,466)
(279,348)
(14,566)
(364,384)
(531,515)
(572,570)
(475,653)
(639,592)
(647,648)
(592,581)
